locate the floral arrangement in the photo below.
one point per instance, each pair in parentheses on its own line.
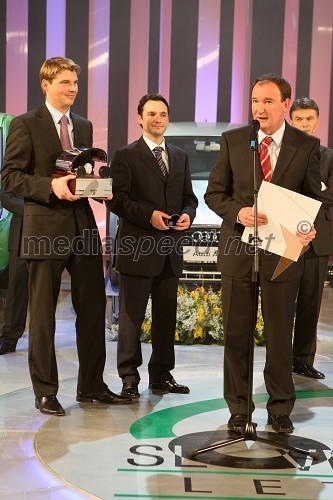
(199,318)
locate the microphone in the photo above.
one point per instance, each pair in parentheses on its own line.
(254,129)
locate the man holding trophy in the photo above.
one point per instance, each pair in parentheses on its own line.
(59,231)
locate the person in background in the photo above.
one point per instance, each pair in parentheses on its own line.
(290,159)
(58,231)
(16,305)
(304,115)
(154,199)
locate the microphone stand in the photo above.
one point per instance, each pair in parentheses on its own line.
(248,432)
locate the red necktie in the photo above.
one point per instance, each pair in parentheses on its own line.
(265,159)
(64,136)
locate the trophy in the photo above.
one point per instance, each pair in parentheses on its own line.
(81,162)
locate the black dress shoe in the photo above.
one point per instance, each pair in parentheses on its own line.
(236,422)
(281,423)
(168,386)
(307,371)
(49,405)
(130,390)
(5,347)
(107,397)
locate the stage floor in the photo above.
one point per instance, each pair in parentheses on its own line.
(141,450)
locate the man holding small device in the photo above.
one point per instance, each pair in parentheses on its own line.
(154,199)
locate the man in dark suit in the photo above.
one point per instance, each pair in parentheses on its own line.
(58,232)
(293,159)
(150,186)
(304,115)
(16,305)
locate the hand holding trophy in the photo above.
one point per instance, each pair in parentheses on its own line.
(81,163)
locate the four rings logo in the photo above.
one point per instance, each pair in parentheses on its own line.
(205,236)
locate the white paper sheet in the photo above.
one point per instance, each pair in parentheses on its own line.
(287,213)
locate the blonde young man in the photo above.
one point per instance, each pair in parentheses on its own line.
(58,232)
(304,115)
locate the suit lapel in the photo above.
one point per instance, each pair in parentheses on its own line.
(48,129)
(287,153)
(249,157)
(326,157)
(77,132)
(81,137)
(172,160)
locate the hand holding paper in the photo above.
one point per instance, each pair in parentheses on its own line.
(288,213)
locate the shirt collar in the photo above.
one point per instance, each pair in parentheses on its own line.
(152,144)
(56,114)
(277,136)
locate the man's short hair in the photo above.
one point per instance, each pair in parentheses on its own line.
(51,67)
(282,84)
(151,97)
(303,103)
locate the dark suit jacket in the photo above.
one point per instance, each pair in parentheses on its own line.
(323,242)
(230,188)
(139,188)
(15,312)
(13,204)
(32,148)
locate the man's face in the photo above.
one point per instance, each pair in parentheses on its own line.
(305,119)
(267,106)
(154,120)
(62,91)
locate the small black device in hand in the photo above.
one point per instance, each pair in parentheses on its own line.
(172,221)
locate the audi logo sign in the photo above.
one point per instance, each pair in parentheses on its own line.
(201,245)
(205,236)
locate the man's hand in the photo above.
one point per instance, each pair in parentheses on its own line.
(157,220)
(306,238)
(246,217)
(183,223)
(60,188)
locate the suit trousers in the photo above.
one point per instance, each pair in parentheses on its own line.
(89,302)
(133,299)
(308,308)
(278,305)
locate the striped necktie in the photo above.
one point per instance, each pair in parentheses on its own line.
(265,159)
(158,154)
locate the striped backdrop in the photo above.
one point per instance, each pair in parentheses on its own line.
(202,55)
